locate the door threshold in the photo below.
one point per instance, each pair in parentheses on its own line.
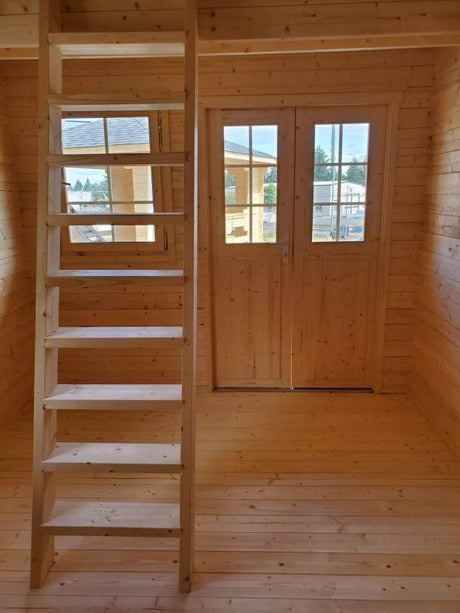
(325,390)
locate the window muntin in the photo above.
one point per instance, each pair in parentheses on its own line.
(250,183)
(115,189)
(340,182)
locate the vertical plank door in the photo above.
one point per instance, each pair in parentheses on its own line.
(337,219)
(251,178)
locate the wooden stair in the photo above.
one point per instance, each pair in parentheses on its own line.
(113,519)
(114,457)
(53,517)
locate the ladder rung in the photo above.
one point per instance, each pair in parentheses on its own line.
(113,519)
(86,278)
(94,160)
(116,219)
(116,44)
(115,397)
(101,337)
(168,101)
(114,457)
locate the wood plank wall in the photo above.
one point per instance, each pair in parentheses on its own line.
(16,286)
(435,383)
(408,72)
(322,20)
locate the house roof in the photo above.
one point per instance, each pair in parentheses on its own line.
(126,131)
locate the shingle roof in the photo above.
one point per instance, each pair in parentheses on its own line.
(121,131)
(126,131)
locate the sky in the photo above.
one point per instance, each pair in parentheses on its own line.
(264,138)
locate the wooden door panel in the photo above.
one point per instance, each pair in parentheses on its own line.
(251,301)
(332,344)
(335,281)
(248,323)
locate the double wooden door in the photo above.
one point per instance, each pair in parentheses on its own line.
(295,199)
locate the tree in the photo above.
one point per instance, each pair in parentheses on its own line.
(78,186)
(87,186)
(271,176)
(270,193)
(229,180)
(355,174)
(322,173)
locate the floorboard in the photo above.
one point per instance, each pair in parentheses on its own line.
(306,503)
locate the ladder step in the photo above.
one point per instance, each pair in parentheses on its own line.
(91,278)
(117,219)
(113,519)
(113,44)
(123,457)
(115,397)
(168,101)
(94,160)
(116,337)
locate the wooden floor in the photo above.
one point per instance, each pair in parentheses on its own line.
(307,503)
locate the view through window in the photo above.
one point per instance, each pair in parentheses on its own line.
(250,183)
(340,181)
(111,189)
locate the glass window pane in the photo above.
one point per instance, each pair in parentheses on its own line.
(236,185)
(83,135)
(264,144)
(352,222)
(237,224)
(264,224)
(355,142)
(324,223)
(353,184)
(327,143)
(106,233)
(86,184)
(325,185)
(264,185)
(236,145)
(131,183)
(128,134)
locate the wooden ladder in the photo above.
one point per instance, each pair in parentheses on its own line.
(50,516)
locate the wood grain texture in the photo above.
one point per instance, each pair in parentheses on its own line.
(16,286)
(408,72)
(306,503)
(324,24)
(436,373)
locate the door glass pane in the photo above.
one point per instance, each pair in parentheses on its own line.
(264,144)
(236,145)
(264,224)
(352,222)
(237,224)
(355,142)
(344,182)
(236,181)
(264,185)
(324,223)
(250,182)
(325,186)
(327,143)
(353,184)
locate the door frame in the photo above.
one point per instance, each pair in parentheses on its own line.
(392,100)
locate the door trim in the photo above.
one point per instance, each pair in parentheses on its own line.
(391,99)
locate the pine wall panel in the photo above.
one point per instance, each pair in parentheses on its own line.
(408,72)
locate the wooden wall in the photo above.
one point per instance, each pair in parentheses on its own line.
(408,72)
(435,382)
(16,286)
(330,23)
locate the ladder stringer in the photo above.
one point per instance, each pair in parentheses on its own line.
(190,296)
(47,299)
